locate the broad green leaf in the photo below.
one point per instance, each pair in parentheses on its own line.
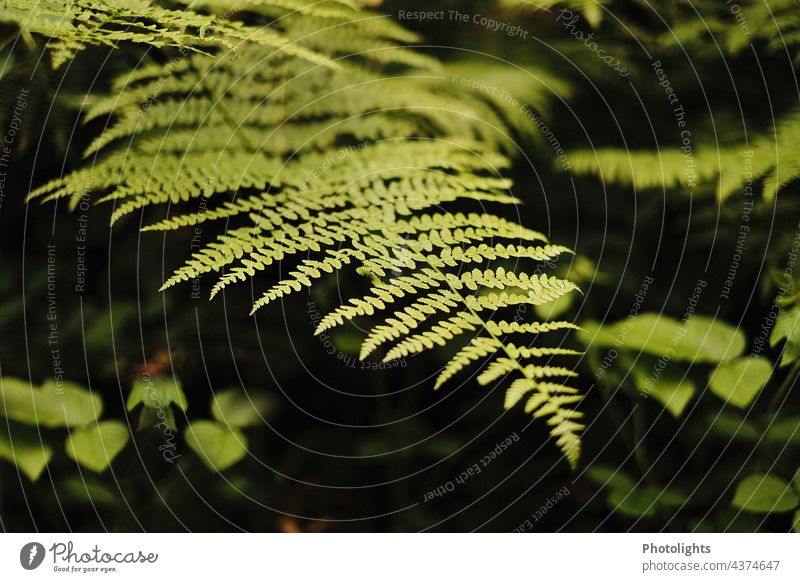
(787,327)
(25,449)
(700,340)
(596,335)
(238,408)
(710,340)
(88,490)
(785,431)
(74,406)
(159,392)
(630,499)
(730,426)
(554,309)
(640,502)
(644,501)
(674,396)
(761,493)
(738,381)
(52,405)
(669,386)
(96,446)
(217,444)
(672,498)
(610,477)
(17,400)
(797,521)
(582,269)
(156,396)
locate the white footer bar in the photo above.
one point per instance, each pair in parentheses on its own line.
(400,557)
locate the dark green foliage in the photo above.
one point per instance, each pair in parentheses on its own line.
(306,163)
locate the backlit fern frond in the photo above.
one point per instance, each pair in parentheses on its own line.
(369,159)
(75,24)
(553,401)
(770,161)
(773,24)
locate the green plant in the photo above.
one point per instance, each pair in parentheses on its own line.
(220,443)
(677,363)
(738,147)
(768,161)
(765,494)
(321,141)
(328,174)
(38,416)
(655,353)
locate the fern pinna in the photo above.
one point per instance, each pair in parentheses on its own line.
(336,146)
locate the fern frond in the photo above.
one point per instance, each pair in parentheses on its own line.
(327,145)
(542,289)
(771,158)
(550,400)
(503,366)
(477,349)
(75,24)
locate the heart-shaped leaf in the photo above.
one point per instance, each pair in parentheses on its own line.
(96,446)
(729,426)
(218,445)
(238,408)
(739,381)
(551,311)
(761,493)
(24,448)
(787,327)
(785,431)
(644,501)
(611,477)
(84,489)
(669,385)
(53,405)
(700,339)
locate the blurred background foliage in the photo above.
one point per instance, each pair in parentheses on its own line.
(705,439)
